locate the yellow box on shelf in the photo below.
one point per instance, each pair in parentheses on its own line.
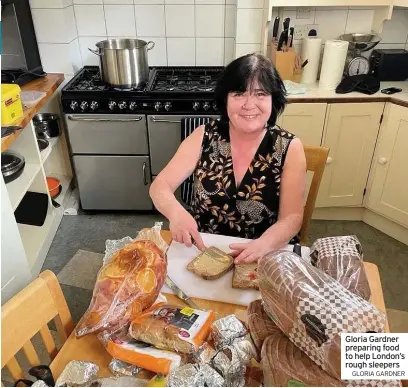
(11,106)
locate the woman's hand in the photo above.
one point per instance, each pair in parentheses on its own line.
(183,227)
(245,253)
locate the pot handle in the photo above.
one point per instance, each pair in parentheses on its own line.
(96,52)
(147,45)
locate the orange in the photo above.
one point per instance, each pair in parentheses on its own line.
(146,280)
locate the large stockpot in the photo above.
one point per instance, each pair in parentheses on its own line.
(123,62)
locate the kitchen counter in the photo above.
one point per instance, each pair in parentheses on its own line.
(47,84)
(314,94)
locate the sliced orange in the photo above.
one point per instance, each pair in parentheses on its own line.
(146,280)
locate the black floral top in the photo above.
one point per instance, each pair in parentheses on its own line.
(250,209)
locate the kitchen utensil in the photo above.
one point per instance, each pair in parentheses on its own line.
(46,125)
(124,62)
(357,43)
(54,186)
(281,40)
(275,28)
(5,131)
(292,32)
(180,293)
(42,144)
(304,63)
(12,165)
(297,249)
(178,256)
(32,209)
(286,24)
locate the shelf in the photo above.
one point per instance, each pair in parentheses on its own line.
(33,237)
(320,3)
(46,153)
(19,187)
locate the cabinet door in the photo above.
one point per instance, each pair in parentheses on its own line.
(350,133)
(389,189)
(306,121)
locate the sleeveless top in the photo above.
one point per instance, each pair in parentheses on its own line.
(247,211)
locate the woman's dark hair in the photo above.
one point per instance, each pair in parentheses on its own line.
(241,73)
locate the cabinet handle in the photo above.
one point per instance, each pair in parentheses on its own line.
(382,160)
(154,120)
(329,160)
(74,118)
(144,174)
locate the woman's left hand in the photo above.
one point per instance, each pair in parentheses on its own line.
(250,252)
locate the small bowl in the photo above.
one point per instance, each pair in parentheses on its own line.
(54,186)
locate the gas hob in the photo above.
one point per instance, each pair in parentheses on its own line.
(170,90)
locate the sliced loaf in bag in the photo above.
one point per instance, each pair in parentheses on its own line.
(341,257)
(312,308)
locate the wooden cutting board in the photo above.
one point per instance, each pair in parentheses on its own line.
(220,290)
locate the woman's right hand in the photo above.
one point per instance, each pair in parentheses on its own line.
(184,228)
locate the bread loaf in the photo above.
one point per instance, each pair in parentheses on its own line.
(342,258)
(126,285)
(312,308)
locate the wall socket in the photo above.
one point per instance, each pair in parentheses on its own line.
(301,31)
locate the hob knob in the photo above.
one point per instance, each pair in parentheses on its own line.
(196,105)
(122,105)
(132,105)
(94,105)
(84,106)
(157,106)
(167,106)
(215,107)
(74,105)
(112,105)
(206,106)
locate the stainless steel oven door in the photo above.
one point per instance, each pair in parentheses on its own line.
(107,134)
(113,182)
(165,138)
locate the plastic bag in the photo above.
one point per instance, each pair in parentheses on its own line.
(312,308)
(342,258)
(122,346)
(128,283)
(172,328)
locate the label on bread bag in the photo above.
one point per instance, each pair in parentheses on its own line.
(296,383)
(188,320)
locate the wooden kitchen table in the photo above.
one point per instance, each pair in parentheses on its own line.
(88,348)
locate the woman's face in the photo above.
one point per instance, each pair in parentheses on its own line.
(249,111)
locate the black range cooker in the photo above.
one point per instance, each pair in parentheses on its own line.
(121,139)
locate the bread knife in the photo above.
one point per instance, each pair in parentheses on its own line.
(180,293)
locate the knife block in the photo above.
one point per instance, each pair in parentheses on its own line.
(285,63)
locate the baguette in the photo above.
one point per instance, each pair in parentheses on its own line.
(211,264)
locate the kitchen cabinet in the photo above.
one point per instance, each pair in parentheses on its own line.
(350,132)
(388,193)
(306,121)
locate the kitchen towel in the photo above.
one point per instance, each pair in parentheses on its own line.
(311,48)
(334,58)
(188,125)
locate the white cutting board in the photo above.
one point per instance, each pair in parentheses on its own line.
(220,290)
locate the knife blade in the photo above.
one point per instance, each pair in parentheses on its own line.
(180,293)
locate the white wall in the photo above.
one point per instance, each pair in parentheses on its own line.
(186,32)
(15,273)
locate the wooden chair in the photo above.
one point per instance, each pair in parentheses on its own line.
(315,161)
(28,313)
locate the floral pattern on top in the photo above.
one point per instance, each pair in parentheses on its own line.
(247,211)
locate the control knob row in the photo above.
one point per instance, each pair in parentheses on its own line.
(206,106)
(158,106)
(83,106)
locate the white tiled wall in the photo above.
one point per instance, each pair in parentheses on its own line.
(185,32)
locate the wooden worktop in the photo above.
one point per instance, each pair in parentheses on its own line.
(48,85)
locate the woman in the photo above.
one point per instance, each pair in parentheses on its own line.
(249,174)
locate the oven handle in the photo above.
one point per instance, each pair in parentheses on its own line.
(144,174)
(154,120)
(73,118)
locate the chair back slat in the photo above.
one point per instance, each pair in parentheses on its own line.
(316,158)
(14,369)
(31,354)
(48,341)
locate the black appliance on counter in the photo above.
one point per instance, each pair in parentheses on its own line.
(20,59)
(390,64)
(121,139)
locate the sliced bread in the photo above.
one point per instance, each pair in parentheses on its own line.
(245,276)
(211,264)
